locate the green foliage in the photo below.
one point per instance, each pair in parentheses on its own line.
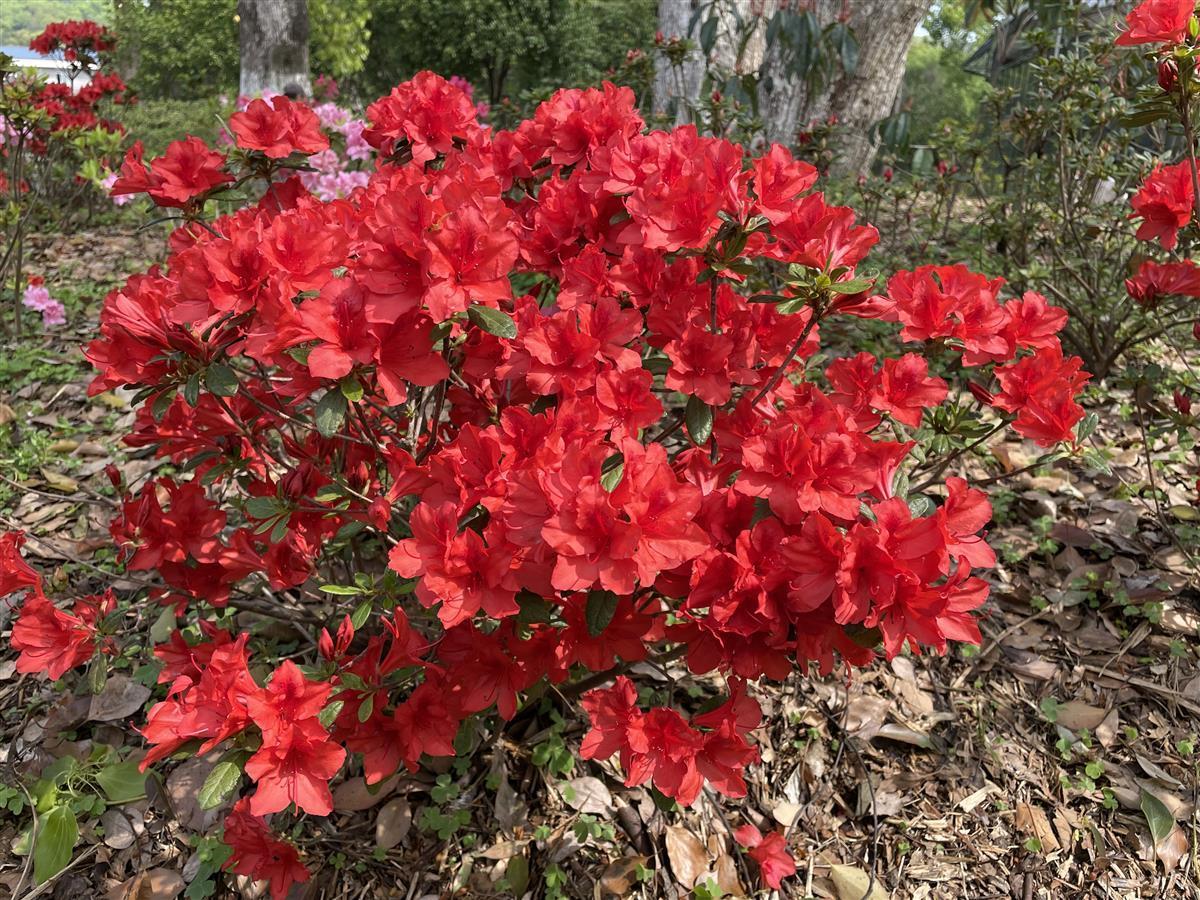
(23,20)
(68,791)
(505,48)
(157,123)
(1031,179)
(339,36)
(939,93)
(181,49)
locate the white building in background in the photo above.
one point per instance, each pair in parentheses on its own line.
(52,68)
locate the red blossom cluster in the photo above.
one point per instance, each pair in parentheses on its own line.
(560,375)
(66,107)
(1165,203)
(73,37)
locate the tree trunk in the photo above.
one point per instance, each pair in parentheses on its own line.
(675,87)
(273,35)
(884,30)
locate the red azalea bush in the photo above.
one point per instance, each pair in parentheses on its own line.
(1165,204)
(65,108)
(559,376)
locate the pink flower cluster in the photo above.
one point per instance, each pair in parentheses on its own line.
(37,297)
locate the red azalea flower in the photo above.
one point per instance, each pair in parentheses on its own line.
(1154,280)
(53,641)
(278,128)
(1164,204)
(1157,22)
(258,854)
(775,861)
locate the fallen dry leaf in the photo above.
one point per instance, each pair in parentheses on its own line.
(118,832)
(587,795)
(392,823)
(183,788)
(1032,820)
(153,884)
(353,794)
(1075,715)
(689,860)
(59,482)
(851,883)
(620,875)
(120,698)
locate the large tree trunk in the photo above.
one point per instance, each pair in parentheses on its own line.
(883,29)
(675,86)
(274,42)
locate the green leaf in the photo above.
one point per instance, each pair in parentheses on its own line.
(221,380)
(52,846)
(191,389)
(852,286)
(329,714)
(262,507)
(612,472)
(790,306)
(517,875)
(98,673)
(601,607)
(220,784)
(367,707)
(1158,817)
(330,413)
(708,34)
(122,782)
(699,419)
(161,404)
(492,321)
(1087,425)
(532,608)
(920,505)
(342,590)
(351,389)
(361,613)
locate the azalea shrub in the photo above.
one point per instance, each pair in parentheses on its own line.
(1040,188)
(1164,213)
(55,140)
(528,407)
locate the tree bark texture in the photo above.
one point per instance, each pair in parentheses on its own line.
(273,35)
(883,29)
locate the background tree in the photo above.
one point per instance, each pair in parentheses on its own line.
(842,58)
(339,36)
(178,49)
(273,37)
(504,47)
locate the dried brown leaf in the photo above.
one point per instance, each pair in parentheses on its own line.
(393,823)
(620,875)
(689,860)
(120,698)
(1032,820)
(1075,715)
(586,794)
(852,883)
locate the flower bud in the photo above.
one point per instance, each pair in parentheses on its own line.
(887,174)
(325,645)
(1183,402)
(1168,75)
(980,393)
